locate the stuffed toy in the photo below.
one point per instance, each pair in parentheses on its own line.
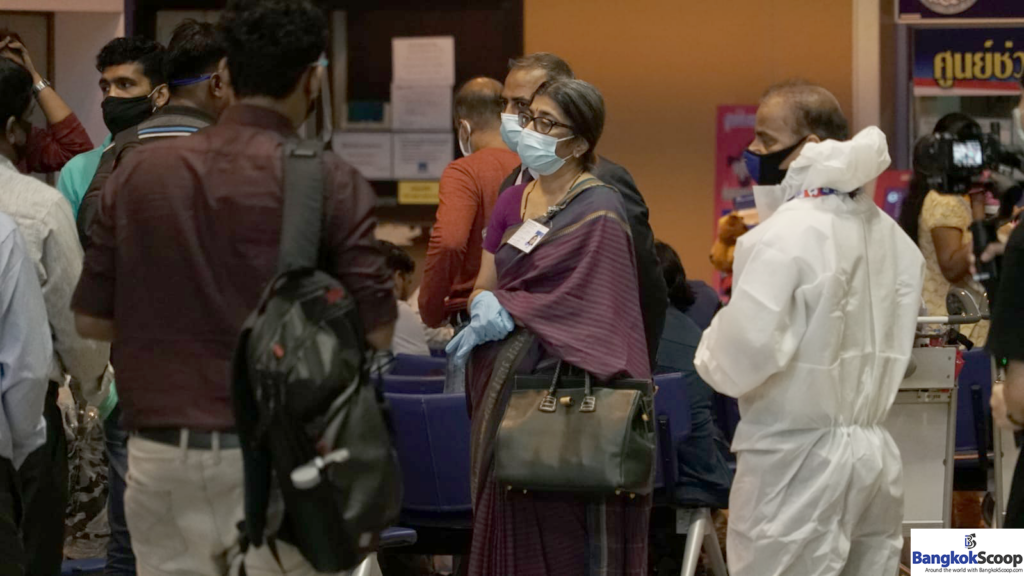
(730,228)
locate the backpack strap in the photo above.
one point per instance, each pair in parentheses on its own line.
(303,205)
(123,141)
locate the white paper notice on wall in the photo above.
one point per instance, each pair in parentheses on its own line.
(421,107)
(423,60)
(367,152)
(419,156)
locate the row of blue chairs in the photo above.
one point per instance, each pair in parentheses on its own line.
(432,435)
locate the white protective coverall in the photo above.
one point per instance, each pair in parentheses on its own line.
(814,342)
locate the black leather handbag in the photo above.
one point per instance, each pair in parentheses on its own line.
(571,434)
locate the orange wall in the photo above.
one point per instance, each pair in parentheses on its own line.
(665,65)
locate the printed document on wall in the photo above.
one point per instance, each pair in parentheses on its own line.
(367,152)
(421,107)
(423,60)
(420,156)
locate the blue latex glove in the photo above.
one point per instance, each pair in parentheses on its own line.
(489,321)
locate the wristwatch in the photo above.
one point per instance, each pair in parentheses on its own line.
(40,86)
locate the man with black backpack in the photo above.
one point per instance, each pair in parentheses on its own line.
(185,242)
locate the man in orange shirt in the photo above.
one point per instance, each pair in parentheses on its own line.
(468,190)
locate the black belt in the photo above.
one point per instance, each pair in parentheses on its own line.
(197,439)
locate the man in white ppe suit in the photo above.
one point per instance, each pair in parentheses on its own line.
(814,343)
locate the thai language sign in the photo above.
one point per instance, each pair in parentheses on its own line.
(983,60)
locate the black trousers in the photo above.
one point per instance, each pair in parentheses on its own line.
(12,552)
(44,495)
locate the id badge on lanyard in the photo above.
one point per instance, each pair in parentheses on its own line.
(528,236)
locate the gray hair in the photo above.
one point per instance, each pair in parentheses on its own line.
(815,110)
(583,107)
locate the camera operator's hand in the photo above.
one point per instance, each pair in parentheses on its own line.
(992,251)
(978,205)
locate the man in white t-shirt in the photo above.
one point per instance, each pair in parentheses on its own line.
(412,336)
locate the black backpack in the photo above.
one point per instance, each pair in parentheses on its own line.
(311,422)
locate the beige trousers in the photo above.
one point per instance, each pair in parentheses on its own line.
(183,507)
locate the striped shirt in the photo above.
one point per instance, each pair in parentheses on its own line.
(44,218)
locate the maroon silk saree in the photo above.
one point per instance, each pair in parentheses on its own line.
(575,299)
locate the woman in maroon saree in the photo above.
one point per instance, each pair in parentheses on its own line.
(574,298)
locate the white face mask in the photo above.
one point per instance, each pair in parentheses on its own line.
(510,131)
(465,147)
(768,199)
(538,152)
(1018,130)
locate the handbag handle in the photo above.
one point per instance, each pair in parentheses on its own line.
(549,403)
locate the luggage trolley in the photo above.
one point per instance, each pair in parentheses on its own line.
(922,422)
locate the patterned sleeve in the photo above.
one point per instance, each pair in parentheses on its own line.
(945,211)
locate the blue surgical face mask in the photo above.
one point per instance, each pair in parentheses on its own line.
(510,131)
(537,151)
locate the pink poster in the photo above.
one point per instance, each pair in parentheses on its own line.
(735,133)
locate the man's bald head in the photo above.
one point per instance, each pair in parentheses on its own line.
(478,102)
(812,109)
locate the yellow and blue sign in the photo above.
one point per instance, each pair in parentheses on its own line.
(968,61)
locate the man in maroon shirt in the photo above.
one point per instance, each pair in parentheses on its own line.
(64,137)
(185,240)
(468,190)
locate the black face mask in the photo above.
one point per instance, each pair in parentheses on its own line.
(765,169)
(121,113)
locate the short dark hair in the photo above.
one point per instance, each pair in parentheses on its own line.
(398,260)
(583,107)
(671,267)
(195,49)
(815,109)
(555,68)
(149,54)
(15,90)
(271,43)
(479,102)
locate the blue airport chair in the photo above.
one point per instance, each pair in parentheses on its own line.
(432,441)
(410,365)
(84,567)
(673,425)
(396,384)
(973,434)
(432,433)
(727,415)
